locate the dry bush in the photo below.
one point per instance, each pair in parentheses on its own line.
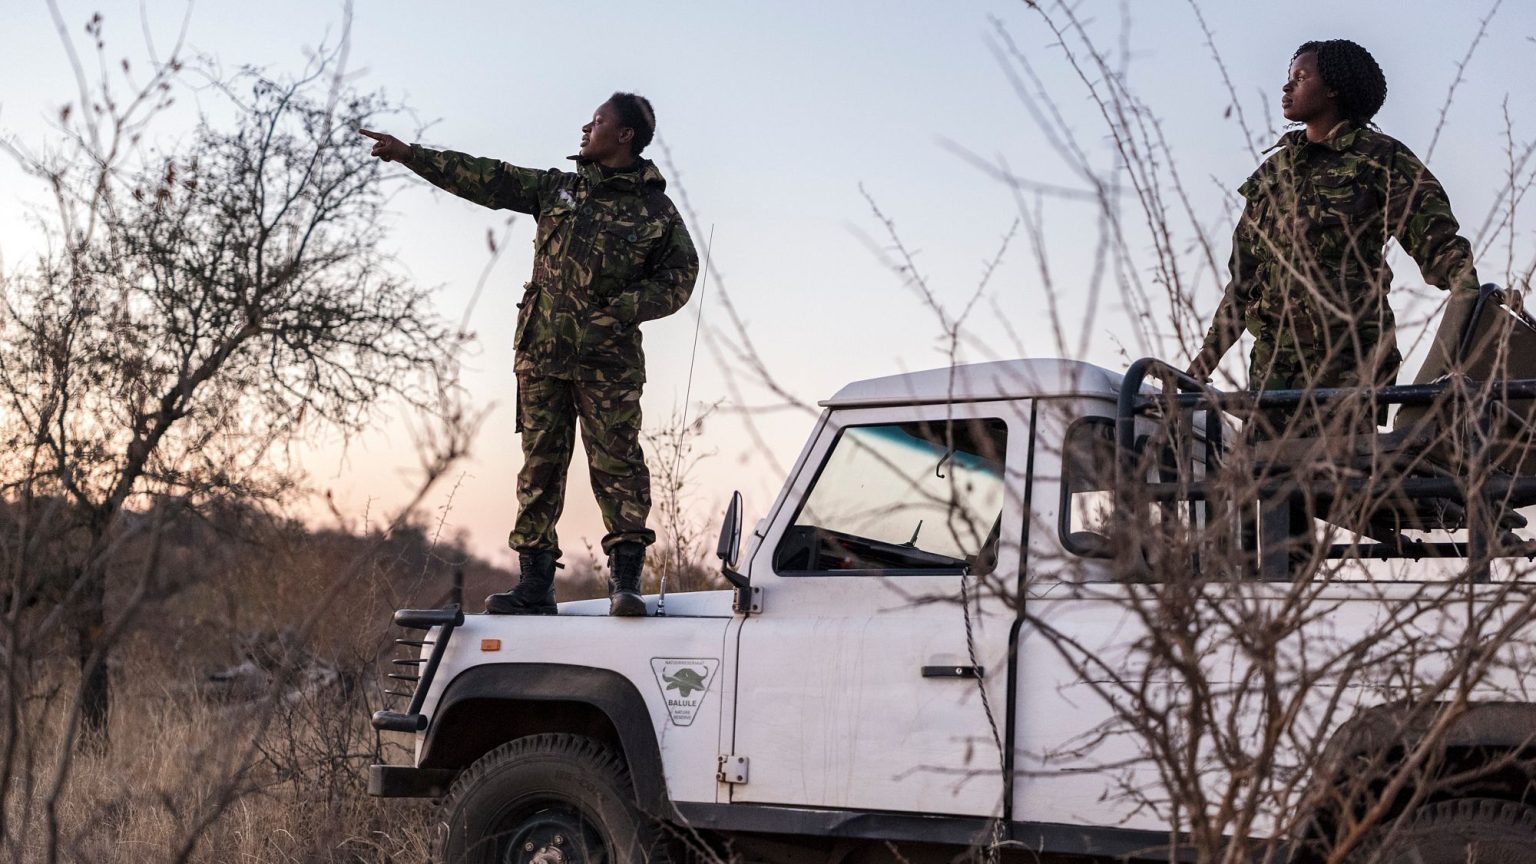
(192,312)
(681,560)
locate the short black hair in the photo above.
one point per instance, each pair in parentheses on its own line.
(635,112)
(1351,72)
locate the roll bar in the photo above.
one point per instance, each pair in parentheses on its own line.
(1182,395)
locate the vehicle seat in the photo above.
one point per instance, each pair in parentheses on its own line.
(1490,343)
(1485,341)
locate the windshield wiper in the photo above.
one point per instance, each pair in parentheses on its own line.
(912,544)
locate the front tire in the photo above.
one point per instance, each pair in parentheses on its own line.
(1456,832)
(546,799)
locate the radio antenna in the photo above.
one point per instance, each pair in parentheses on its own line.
(698,322)
(661,591)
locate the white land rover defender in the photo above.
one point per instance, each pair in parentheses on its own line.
(921,650)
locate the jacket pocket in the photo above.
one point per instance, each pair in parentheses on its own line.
(1342,198)
(551,226)
(623,248)
(524,312)
(606,340)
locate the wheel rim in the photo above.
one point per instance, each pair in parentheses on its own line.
(552,834)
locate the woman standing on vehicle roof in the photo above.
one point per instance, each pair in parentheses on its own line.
(1309,278)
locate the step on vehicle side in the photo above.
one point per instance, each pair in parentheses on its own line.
(886,674)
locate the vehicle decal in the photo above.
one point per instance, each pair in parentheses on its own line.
(684,682)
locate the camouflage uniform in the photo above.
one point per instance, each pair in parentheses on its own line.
(610,252)
(1309,278)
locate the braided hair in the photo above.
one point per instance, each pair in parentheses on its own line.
(635,112)
(1351,72)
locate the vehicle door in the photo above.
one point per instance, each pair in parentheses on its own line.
(1078,760)
(874,677)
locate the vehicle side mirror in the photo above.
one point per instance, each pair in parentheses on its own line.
(748,599)
(729,547)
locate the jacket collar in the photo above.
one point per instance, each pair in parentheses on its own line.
(1341,137)
(643,174)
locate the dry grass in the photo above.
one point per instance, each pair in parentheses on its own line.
(189,780)
(190,777)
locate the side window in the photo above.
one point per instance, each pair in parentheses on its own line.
(1088,482)
(1087,487)
(903,498)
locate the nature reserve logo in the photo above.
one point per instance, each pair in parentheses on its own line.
(684,683)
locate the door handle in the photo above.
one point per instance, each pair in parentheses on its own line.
(971,672)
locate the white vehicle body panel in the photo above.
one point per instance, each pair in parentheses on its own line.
(627,646)
(1018,380)
(1069,773)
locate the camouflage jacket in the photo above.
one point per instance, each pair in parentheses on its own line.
(1309,277)
(610,252)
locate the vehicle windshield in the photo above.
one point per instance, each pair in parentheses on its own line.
(920,496)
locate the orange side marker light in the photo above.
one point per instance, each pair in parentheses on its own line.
(490,644)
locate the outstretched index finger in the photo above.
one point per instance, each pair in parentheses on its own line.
(377,136)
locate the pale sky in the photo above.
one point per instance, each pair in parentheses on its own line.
(776,114)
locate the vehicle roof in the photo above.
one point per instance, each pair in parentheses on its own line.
(980,382)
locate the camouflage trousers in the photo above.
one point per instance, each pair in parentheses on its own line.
(1272,367)
(1290,367)
(547,412)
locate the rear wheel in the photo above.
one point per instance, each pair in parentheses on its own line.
(546,799)
(1459,832)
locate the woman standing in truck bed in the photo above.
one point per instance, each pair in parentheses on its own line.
(1309,278)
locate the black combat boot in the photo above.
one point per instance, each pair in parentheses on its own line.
(535,591)
(626,561)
